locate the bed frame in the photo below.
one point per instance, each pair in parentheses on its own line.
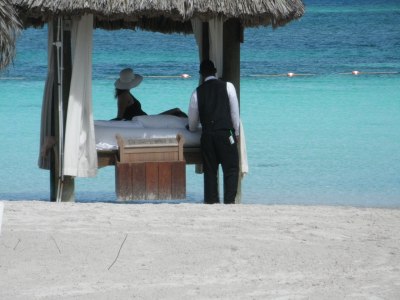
(192,156)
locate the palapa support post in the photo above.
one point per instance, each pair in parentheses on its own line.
(68,192)
(68,184)
(150,169)
(233,36)
(54,155)
(205,51)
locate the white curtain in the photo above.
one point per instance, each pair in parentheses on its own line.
(243,163)
(197,26)
(80,156)
(46,140)
(216,31)
(215,26)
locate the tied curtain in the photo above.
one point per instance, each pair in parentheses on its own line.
(80,156)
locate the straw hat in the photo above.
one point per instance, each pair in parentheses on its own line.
(127,79)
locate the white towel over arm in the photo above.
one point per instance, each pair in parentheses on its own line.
(243,163)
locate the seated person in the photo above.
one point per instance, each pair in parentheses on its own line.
(128,105)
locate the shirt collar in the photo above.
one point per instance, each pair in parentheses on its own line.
(209,78)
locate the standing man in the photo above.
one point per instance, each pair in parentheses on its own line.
(214,103)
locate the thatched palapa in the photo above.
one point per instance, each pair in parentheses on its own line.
(9,29)
(161,15)
(218,30)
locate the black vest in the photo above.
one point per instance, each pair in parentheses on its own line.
(214,107)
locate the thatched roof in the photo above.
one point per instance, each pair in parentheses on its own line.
(162,15)
(9,29)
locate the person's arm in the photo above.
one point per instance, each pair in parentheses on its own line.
(193,113)
(234,105)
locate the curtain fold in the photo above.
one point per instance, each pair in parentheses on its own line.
(80,155)
(197,26)
(216,35)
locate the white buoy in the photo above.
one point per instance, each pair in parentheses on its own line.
(355,72)
(290,74)
(185,76)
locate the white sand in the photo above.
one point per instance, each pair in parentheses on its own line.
(194,251)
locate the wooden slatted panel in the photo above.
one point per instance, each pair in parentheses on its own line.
(152,180)
(164,180)
(178,184)
(123,185)
(138,181)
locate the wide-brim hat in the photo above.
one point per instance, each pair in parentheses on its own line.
(127,79)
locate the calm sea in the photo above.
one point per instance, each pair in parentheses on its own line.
(328,138)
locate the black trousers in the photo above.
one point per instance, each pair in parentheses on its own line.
(216,149)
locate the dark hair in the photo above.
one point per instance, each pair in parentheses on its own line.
(207,68)
(119,92)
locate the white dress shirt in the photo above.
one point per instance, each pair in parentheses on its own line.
(193,112)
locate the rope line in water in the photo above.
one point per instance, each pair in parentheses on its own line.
(281,75)
(290,74)
(168,76)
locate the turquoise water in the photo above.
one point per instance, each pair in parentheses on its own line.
(329,138)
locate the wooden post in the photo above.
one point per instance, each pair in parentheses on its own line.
(68,192)
(54,158)
(232,39)
(205,51)
(68,183)
(205,43)
(233,36)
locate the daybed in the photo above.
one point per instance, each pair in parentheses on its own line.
(144,127)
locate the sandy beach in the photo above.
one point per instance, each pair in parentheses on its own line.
(194,251)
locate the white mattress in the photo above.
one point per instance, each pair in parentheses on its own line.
(143,127)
